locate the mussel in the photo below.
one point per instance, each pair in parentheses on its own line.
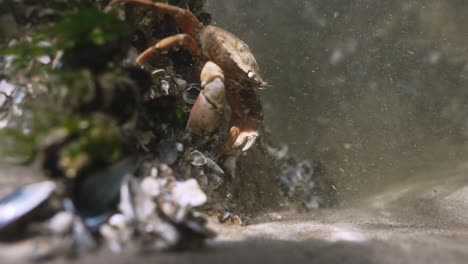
(25,204)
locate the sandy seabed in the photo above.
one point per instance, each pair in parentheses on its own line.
(417,222)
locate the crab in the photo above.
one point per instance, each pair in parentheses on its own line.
(230,73)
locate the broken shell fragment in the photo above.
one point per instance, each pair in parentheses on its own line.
(181,83)
(198,158)
(117,232)
(6,101)
(191,93)
(118,221)
(44,59)
(226,215)
(236,220)
(158,72)
(210,164)
(165,86)
(7,88)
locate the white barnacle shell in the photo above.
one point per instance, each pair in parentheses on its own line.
(188,193)
(151,186)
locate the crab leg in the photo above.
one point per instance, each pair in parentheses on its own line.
(235,101)
(186,21)
(206,112)
(179,40)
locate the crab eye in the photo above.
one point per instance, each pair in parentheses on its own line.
(251,74)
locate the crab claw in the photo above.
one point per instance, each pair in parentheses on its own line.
(206,112)
(238,137)
(247,137)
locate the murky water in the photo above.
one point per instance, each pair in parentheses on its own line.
(375,90)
